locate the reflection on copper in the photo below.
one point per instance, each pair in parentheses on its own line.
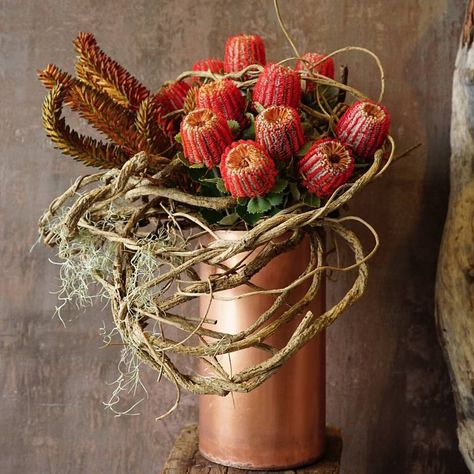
(280,424)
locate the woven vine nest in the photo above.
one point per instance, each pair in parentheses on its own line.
(131,236)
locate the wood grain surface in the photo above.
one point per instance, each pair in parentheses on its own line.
(388,387)
(185,458)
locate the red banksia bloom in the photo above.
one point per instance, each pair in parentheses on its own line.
(169,99)
(247,169)
(224,97)
(327,165)
(364,127)
(279,130)
(242,51)
(210,64)
(278,85)
(312,62)
(205,135)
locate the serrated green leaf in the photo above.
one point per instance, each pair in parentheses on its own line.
(234,126)
(311,200)
(305,148)
(229,219)
(275,199)
(218,183)
(258,205)
(182,158)
(295,192)
(177,138)
(279,186)
(197,166)
(250,219)
(242,201)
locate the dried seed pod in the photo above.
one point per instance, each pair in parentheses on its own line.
(224,97)
(327,165)
(205,136)
(315,62)
(278,85)
(364,127)
(170,98)
(279,130)
(242,51)
(247,169)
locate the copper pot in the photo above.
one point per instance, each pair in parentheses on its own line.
(280,424)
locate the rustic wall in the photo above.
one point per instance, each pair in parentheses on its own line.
(387,384)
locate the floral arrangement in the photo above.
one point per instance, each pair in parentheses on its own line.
(272,149)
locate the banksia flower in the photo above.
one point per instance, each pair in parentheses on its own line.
(242,51)
(170,98)
(210,64)
(224,97)
(279,130)
(313,63)
(247,169)
(327,165)
(205,135)
(278,85)
(364,127)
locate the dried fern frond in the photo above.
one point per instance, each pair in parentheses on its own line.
(101,72)
(85,149)
(105,115)
(151,137)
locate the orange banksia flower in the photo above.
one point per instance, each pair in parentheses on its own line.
(313,62)
(205,135)
(247,169)
(364,127)
(278,85)
(279,130)
(242,51)
(224,97)
(327,165)
(170,98)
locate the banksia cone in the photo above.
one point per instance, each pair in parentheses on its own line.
(210,64)
(364,127)
(224,97)
(278,85)
(242,51)
(169,99)
(313,62)
(247,169)
(327,165)
(279,130)
(205,135)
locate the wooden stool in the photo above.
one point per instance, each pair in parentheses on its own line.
(185,457)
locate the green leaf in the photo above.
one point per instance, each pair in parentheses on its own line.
(217,182)
(275,199)
(249,132)
(305,148)
(242,201)
(177,138)
(250,219)
(258,205)
(221,186)
(295,192)
(279,186)
(211,216)
(229,219)
(197,166)
(182,158)
(258,107)
(234,126)
(311,200)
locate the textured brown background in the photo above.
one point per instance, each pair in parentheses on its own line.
(388,387)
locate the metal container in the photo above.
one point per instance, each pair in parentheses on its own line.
(280,424)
